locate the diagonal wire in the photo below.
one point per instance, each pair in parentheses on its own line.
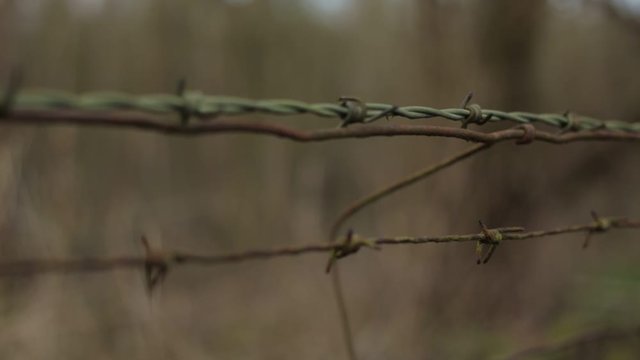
(205,106)
(343,312)
(360,204)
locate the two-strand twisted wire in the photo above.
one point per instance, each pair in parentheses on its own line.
(199,105)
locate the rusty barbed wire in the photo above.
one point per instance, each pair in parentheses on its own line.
(198,105)
(177,258)
(151,123)
(148,112)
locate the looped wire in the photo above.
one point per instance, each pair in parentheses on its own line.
(475,113)
(356,111)
(572,123)
(349,246)
(528,135)
(493,237)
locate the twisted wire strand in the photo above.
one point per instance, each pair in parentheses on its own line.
(204,106)
(198,105)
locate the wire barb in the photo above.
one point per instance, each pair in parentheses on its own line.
(475,113)
(528,134)
(350,110)
(571,123)
(356,111)
(156,267)
(492,237)
(168,259)
(600,225)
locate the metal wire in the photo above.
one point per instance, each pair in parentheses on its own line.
(171,258)
(199,105)
(114,109)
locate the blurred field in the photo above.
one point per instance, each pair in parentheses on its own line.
(81,192)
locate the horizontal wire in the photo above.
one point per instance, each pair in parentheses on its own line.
(199,105)
(152,123)
(170,258)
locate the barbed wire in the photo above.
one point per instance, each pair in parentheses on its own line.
(148,112)
(371,198)
(350,110)
(350,245)
(358,206)
(522,134)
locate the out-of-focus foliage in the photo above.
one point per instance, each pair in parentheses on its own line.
(72,192)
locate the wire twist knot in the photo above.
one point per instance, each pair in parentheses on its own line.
(528,134)
(573,124)
(351,245)
(493,238)
(600,225)
(356,111)
(603,224)
(475,113)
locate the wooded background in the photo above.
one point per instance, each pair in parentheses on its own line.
(69,192)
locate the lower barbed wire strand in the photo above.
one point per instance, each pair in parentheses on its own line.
(96,264)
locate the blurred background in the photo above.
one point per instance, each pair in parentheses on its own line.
(69,192)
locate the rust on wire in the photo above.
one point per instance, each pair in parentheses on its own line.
(528,134)
(600,225)
(97,264)
(141,121)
